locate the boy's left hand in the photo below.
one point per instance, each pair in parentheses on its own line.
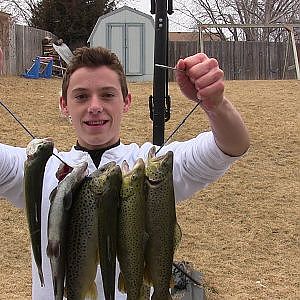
(203,79)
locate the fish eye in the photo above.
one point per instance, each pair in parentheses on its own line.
(134,176)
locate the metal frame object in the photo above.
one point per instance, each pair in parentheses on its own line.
(288,27)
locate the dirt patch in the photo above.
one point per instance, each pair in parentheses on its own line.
(242,232)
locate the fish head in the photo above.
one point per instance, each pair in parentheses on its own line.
(105,177)
(39,147)
(133,178)
(158,168)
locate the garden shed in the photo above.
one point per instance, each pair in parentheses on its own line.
(130,34)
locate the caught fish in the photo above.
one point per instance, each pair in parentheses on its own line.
(161,225)
(108,202)
(61,201)
(38,152)
(131,232)
(82,249)
(145,292)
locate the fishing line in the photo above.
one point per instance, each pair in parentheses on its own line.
(183,121)
(19,122)
(179,125)
(12,114)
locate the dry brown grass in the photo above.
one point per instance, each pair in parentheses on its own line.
(242,232)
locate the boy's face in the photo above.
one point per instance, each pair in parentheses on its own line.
(96,106)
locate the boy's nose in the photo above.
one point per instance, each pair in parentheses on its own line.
(95,106)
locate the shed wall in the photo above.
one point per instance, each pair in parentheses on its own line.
(100,38)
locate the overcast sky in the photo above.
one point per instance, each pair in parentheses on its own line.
(176,22)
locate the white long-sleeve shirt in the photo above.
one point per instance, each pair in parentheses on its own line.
(197,162)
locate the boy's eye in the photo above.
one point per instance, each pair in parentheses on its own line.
(109,95)
(81,97)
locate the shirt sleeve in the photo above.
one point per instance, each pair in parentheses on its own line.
(12,173)
(197,163)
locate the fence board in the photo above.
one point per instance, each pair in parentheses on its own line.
(242,60)
(21,44)
(29,45)
(239,60)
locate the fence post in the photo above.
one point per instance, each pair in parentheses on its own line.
(291,30)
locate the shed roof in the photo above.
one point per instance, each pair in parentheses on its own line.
(118,10)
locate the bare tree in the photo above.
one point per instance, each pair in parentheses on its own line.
(19,9)
(242,12)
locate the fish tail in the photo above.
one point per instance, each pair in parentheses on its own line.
(147,277)
(121,283)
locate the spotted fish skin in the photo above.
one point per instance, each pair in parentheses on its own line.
(160,222)
(38,152)
(131,232)
(108,202)
(58,216)
(82,249)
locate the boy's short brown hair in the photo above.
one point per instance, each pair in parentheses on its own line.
(94,58)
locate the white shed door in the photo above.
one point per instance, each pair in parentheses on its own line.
(127,41)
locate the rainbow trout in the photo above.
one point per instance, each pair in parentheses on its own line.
(61,202)
(108,204)
(161,225)
(131,233)
(38,152)
(83,238)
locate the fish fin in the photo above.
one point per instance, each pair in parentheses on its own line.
(65,292)
(68,199)
(41,275)
(53,249)
(121,284)
(92,293)
(55,285)
(52,194)
(172,282)
(147,277)
(151,153)
(177,236)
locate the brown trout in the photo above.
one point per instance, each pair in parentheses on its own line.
(131,232)
(161,225)
(38,152)
(82,249)
(61,202)
(108,203)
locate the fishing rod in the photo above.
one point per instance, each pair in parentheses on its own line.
(185,118)
(160,100)
(19,122)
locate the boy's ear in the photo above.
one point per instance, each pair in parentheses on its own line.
(63,106)
(127,103)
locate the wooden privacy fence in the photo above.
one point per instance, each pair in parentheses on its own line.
(239,60)
(242,60)
(21,44)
